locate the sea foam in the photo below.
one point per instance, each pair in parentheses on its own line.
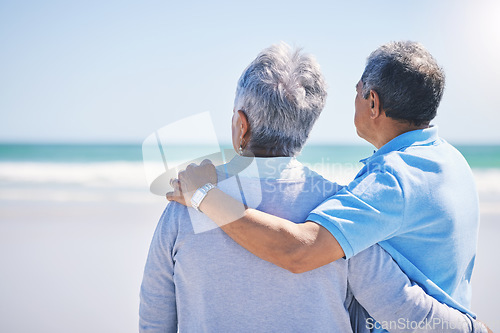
(127,181)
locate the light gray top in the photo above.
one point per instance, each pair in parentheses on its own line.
(197,279)
(398,304)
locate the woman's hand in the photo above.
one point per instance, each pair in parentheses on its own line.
(190,180)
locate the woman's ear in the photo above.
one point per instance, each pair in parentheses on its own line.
(245,126)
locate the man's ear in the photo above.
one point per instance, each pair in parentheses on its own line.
(245,126)
(375,105)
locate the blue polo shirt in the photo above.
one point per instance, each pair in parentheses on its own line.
(417,198)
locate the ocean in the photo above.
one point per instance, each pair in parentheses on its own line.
(76,221)
(76,172)
(478,156)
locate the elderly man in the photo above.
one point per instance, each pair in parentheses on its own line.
(415,196)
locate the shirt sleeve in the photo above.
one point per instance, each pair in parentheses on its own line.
(157,310)
(367,211)
(396,303)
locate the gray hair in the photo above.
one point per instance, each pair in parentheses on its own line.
(282,92)
(408,80)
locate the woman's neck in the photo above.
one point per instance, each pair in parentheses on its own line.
(260,152)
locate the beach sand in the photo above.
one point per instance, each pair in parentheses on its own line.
(486,274)
(72,259)
(75,267)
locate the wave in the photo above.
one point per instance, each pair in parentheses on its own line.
(127,181)
(106,174)
(73,182)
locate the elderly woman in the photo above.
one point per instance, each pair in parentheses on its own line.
(197,279)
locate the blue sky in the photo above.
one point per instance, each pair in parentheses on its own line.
(115,71)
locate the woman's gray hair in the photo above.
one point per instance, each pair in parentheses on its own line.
(407,79)
(282,92)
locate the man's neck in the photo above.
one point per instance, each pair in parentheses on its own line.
(392,129)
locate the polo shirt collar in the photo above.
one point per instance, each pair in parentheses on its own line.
(419,137)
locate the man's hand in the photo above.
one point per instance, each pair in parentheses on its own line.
(190,180)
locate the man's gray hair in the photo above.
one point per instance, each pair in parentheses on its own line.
(407,79)
(282,92)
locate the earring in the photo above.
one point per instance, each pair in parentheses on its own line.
(240,149)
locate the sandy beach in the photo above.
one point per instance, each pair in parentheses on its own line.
(73,267)
(72,256)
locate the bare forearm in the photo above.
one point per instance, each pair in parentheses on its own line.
(295,247)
